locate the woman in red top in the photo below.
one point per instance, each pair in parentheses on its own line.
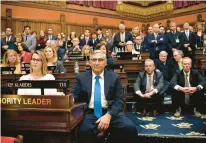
(25,56)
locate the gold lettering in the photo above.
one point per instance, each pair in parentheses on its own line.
(29,100)
(3,100)
(43,102)
(24,101)
(38,101)
(19,100)
(9,101)
(34,101)
(48,101)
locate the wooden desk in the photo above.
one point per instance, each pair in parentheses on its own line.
(69,66)
(41,119)
(198,58)
(131,65)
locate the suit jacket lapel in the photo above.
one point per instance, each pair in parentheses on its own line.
(89,85)
(106,83)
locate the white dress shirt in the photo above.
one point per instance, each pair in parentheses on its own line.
(103,99)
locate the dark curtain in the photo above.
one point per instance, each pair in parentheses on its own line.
(111,5)
(182,4)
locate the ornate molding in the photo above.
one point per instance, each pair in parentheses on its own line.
(145,13)
(59,6)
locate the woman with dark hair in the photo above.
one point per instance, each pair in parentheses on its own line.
(103,46)
(41,41)
(24,55)
(61,50)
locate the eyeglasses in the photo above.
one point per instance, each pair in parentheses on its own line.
(138,39)
(36,60)
(99,60)
(175,55)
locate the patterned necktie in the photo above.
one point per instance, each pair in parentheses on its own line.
(26,38)
(187,97)
(149,84)
(97,98)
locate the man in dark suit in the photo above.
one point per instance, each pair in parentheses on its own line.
(187,86)
(164,65)
(149,87)
(139,46)
(7,42)
(156,42)
(188,42)
(173,39)
(100,35)
(94,41)
(121,38)
(85,40)
(149,31)
(50,35)
(102,91)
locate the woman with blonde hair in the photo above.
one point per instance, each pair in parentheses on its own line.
(11,59)
(52,59)
(38,71)
(135,31)
(86,51)
(199,35)
(109,39)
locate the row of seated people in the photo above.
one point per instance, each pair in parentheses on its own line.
(156,40)
(161,65)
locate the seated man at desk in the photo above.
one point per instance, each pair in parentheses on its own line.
(38,71)
(102,91)
(149,87)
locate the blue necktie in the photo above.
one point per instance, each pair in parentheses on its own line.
(97,98)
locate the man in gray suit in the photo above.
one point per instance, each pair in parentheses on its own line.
(29,40)
(149,87)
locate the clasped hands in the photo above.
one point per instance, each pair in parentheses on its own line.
(147,95)
(188,90)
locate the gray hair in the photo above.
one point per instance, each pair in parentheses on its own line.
(98,52)
(187,58)
(180,53)
(121,26)
(163,53)
(149,60)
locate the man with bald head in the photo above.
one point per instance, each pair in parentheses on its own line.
(149,87)
(121,38)
(187,86)
(156,42)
